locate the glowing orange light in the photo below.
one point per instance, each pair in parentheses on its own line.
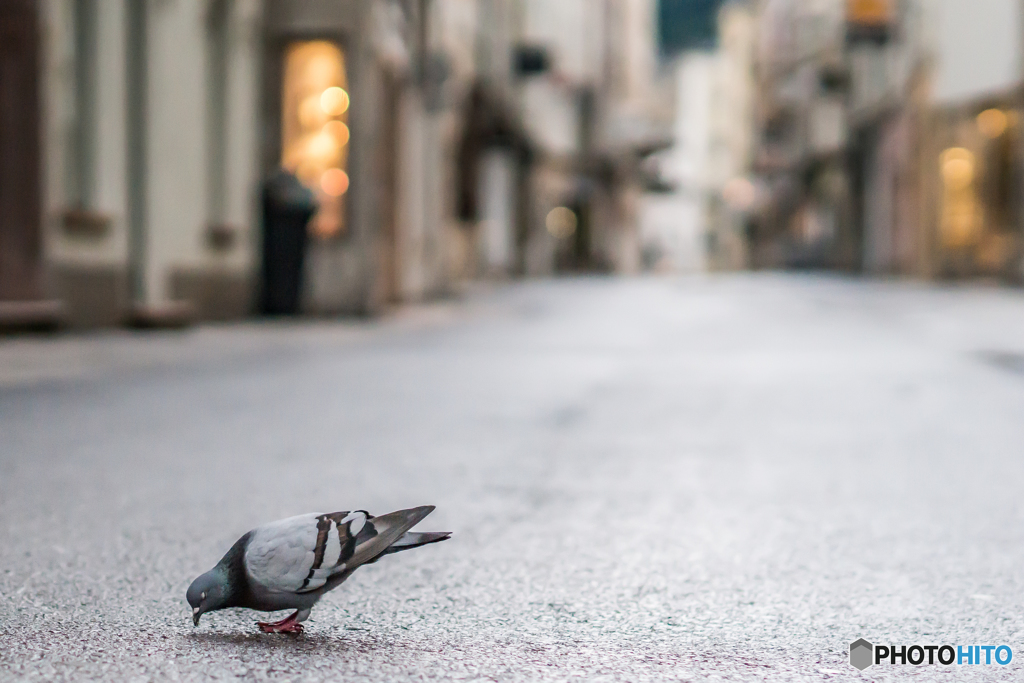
(322,147)
(957,168)
(869,12)
(311,114)
(339,131)
(962,215)
(992,123)
(334,182)
(334,101)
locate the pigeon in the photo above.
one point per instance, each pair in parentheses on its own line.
(291,563)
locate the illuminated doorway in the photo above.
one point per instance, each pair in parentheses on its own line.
(314,128)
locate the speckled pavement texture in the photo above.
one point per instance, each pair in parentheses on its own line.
(721,478)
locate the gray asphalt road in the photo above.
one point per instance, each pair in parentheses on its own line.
(723,478)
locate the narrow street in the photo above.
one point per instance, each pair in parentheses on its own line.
(647,479)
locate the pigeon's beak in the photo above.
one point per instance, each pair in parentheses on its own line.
(196,613)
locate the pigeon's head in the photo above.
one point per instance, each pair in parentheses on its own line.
(207,593)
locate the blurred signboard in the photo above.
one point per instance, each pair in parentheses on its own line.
(870,20)
(531,60)
(687,25)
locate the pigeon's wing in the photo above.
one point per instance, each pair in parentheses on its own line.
(300,554)
(381,532)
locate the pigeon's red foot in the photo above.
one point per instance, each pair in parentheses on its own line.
(286,625)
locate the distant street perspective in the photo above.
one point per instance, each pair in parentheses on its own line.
(710,477)
(697,324)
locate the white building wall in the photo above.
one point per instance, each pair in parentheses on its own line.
(732,118)
(574,32)
(456,34)
(551,116)
(110,147)
(636,110)
(435,208)
(550,110)
(85,234)
(978,47)
(242,168)
(177,149)
(412,218)
(176,157)
(497,183)
(640,52)
(59,121)
(673,225)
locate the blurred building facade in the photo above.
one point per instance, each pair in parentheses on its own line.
(149,156)
(674,221)
(884,138)
(834,83)
(704,66)
(442,139)
(573,107)
(974,169)
(731,187)
(161,120)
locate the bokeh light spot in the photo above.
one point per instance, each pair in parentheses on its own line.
(739,194)
(992,123)
(957,168)
(334,182)
(338,131)
(334,101)
(561,222)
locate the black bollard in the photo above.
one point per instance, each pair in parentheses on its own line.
(288,205)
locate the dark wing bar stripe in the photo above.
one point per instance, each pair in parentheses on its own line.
(348,547)
(323,530)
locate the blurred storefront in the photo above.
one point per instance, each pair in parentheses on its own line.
(573,107)
(808,101)
(318,86)
(440,139)
(158,123)
(889,61)
(936,159)
(367,98)
(886,138)
(975,199)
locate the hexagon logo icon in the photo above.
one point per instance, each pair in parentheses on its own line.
(862,654)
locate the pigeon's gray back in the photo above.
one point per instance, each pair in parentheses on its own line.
(292,562)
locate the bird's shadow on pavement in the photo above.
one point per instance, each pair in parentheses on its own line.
(279,641)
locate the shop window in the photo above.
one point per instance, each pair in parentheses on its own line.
(314,128)
(961,212)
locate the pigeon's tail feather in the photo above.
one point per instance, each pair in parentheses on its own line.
(411,540)
(387,529)
(407,518)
